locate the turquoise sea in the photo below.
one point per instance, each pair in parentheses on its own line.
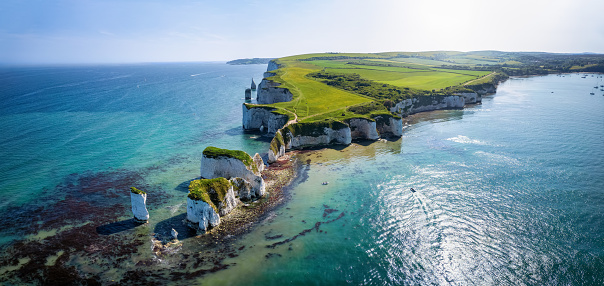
(508,192)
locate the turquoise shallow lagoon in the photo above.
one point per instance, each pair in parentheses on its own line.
(507,192)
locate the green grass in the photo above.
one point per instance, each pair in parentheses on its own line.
(421,61)
(211,191)
(421,79)
(213,152)
(315,100)
(136,191)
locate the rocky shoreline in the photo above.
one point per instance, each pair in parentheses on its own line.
(278,177)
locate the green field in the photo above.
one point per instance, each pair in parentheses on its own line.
(315,100)
(420,77)
(338,85)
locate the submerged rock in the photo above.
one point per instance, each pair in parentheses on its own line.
(138,199)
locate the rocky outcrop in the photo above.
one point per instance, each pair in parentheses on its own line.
(248,94)
(327,136)
(138,199)
(262,118)
(216,162)
(253,85)
(244,190)
(470,97)
(389,126)
(484,89)
(363,128)
(258,162)
(209,199)
(277,147)
(202,215)
(272,65)
(269,92)
(428,103)
(303,135)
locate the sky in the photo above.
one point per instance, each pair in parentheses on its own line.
(124,31)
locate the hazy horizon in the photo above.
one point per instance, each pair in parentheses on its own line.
(114,32)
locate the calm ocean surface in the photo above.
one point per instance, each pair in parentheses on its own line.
(507,192)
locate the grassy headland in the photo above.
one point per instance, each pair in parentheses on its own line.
(339,86)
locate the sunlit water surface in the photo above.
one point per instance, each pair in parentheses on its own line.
(506,192)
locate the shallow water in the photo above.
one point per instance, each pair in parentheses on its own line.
(507,192)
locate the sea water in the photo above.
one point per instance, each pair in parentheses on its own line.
(61,122)
(506,192)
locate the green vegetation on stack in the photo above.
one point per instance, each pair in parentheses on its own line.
(211,191)
(136,191)
(213,152)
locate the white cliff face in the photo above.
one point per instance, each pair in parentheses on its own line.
(269,92)
(245,191)
(415,105)
(361,128)
(231,168)
(258,162)
(470,97)
(486,89)
(273,157)
(139,206)
(228,204)
(390,126)
(257,118)
(201,213)
(272,65)
(329,136)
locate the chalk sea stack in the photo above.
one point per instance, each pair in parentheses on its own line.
(138,199)
(225,175)
(216,162)
(253,86)
(209,199)
(248,94)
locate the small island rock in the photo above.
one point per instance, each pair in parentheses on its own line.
(138,199)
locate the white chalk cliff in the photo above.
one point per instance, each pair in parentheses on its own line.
(139,206)
(269,92)
(362,128)
(260,117)
(202,214)
(389,125)
(229,168)
(423,104)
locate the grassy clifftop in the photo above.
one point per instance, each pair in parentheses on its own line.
(211,191)
(330,85)
(213,152)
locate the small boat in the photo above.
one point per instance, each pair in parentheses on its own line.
(324,183)
(412,190)
(591,93)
